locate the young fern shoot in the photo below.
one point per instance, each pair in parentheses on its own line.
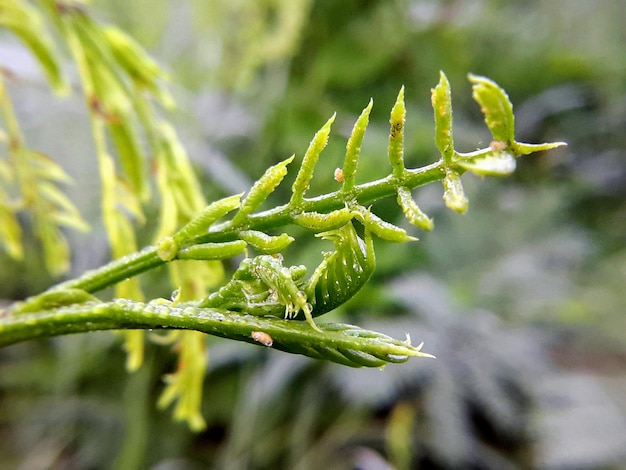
(265,294)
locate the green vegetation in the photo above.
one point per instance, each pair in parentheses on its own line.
(317,233)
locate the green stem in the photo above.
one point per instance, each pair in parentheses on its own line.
(114,272)
(344,344)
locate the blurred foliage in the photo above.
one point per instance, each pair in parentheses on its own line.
(537,277)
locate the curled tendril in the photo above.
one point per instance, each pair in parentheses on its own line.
(263,286)
(343,272)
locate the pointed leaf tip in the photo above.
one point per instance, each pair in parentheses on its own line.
(441,99)
(493,164)
(400,94)
(395,150)
(495,106)
(453,195)
(311,156)
(353,149)
(525,149)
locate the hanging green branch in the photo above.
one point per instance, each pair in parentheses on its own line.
(36,177)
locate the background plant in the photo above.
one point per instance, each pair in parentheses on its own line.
(325,95)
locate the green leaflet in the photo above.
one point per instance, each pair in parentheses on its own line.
(496,163)
(168,209)
(382,228)
(213,251)
(26,22)
(259,192)
(495,105)
(10,230)
(110,99)
(200,224)
(412,212)
(353,148)
(58,206)
(303,178)
(116,193)
(127,198)
(319,221)
(266,244)
(396,135)
(453,194)
(124,136)
(137,64)
(177,174)
(442,105)
(108,78)
(527,149)
(61,209)
(185,385)
(46,168)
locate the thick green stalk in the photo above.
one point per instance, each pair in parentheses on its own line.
(344,344)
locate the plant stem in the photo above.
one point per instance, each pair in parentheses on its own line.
(115,271)
(344,344)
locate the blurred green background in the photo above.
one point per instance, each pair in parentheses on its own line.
(522,299)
